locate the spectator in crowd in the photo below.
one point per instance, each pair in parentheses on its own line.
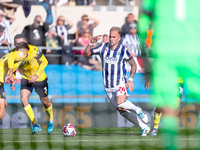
(88,63)
(83,41)
(129,20)
(9,20)
(84,25)
(61,2)
(62,29)
(53,40)
(131,40)
(105,38)
(4,41)
(35,33)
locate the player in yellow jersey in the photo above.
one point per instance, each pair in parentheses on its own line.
(158,111)
(34,76)
(8,64)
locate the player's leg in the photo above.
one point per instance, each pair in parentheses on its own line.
(25,92)
(156,121)
(170,128)
(49,110)
(123,103)
(41,88)
(158,111)
(164,96)
(3,102)
(129,115)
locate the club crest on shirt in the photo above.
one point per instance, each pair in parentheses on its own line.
(119,52)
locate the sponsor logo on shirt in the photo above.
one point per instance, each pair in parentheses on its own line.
(111,60)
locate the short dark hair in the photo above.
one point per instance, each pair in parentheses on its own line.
(19,36)
(22,45)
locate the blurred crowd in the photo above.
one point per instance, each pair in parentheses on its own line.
(40,33)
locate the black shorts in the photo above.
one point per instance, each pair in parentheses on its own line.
(180,85)
(41,88)
(2,92)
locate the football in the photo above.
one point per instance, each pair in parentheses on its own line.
(69,130)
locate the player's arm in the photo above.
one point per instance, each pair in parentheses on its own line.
(17,56)
(133,65)
(43,63)
(87,51)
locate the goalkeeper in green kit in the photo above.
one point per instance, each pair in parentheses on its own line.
(176,53)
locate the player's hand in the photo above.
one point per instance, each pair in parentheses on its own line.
(12,86)
(33,78)
(130,86)
(147,85)
(96,38)
(12,79)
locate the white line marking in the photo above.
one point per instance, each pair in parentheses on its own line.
(59,141)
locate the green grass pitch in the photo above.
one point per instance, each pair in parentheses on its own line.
(92,139)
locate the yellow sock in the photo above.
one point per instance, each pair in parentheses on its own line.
(29,111)
(50,112)
(156,121)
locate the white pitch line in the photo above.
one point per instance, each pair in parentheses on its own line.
(126,140)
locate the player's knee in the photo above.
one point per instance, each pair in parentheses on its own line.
(158,110)
(121,106)
(24,101)
(121,110)
(45,101)
(2,113)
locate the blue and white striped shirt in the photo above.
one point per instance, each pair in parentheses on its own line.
(113,64)
(132,43)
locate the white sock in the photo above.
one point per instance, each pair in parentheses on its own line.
(129,106)
(134,119)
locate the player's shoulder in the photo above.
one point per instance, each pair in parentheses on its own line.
(16,53)
(35,52)
(33,48)
(122,47)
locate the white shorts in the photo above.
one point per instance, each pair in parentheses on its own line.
(112,96)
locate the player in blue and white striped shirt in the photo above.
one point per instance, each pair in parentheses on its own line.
(113,58)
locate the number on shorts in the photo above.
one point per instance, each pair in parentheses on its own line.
(121,89)
(45,88)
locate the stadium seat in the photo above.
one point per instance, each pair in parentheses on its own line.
(84,89)
(98,89)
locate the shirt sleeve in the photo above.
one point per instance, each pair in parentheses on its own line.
(38,54)
(43,64)
(15,56)
(97,49)
(128,55)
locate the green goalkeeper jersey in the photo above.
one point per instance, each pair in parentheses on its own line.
(176,47)
(176,25)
